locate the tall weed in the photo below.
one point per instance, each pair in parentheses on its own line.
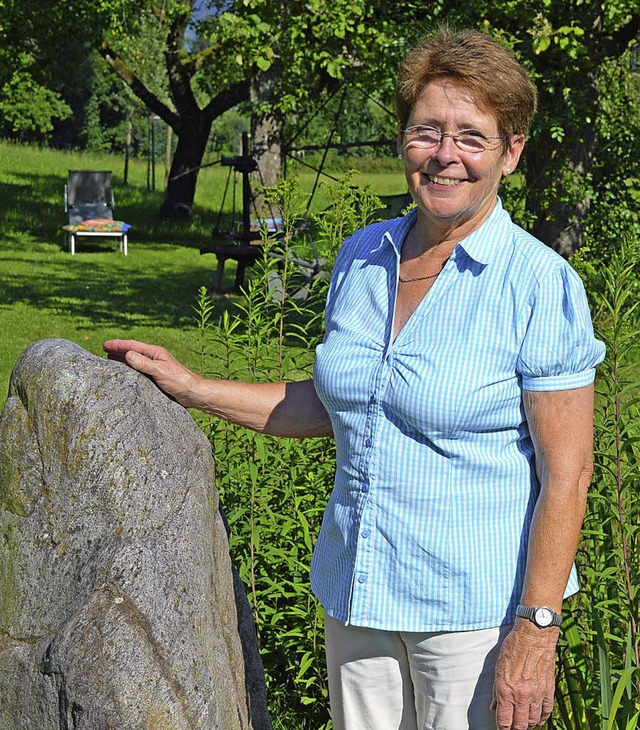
(274,490)
(599,658)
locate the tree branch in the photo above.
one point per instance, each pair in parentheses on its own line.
(628,32)
(160,14)
(227,99)
(196,62)
(179,74)
(139,89)
(616,43)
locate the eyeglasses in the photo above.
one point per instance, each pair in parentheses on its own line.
(467,140)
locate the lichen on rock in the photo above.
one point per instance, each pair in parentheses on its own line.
(119,606)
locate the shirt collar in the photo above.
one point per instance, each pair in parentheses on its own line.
(479,245)
(398,229)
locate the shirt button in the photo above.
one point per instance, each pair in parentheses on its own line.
(362,579)
(365,488)
(372,400)
(366,533)
(367,442)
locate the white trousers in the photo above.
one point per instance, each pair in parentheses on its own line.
(387,680)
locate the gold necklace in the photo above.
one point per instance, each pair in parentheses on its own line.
(419,278)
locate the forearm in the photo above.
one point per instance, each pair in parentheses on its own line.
(553,541)
(564,469)
(277,409)
(561,425)
(524,684)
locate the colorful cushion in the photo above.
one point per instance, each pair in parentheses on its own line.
(99,225)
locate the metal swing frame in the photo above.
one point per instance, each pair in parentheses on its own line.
(244,248)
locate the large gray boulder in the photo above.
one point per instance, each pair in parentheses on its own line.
(119,607)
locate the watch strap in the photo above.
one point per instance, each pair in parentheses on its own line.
(529,612)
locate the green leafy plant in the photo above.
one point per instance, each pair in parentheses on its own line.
(599,658)
(274,490)
(27,108)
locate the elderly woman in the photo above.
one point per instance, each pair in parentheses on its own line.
(456,377)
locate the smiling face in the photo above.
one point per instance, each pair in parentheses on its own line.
(455,191)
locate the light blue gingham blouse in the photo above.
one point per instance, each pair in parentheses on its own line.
(427,526)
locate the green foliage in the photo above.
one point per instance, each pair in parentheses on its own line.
(584,145)
(599,659)
(616,212)
(103,109)
(311,42)
(28,109)
(350,207)
(226,133)
(274,490)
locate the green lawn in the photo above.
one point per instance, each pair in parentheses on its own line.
(94,296)
(98,293)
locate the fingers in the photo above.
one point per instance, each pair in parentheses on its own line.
(547,708)
(519,710)
(120,346)
(140,362)
(535,712)
(522,715)
(504,715)
(141,356)
(519,716)
(118,349)
(176,380)
(138,355)
(520,720)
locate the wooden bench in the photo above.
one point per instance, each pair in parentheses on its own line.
(245,254)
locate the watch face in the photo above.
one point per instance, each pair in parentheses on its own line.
(543,616)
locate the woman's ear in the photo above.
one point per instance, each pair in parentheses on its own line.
(400,145)
(512,155)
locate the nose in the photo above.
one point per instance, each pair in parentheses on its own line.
(446,150)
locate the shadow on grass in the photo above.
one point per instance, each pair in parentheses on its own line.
(100,302)
(101,291)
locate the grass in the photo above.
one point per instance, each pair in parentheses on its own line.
(99,294)
(44,293)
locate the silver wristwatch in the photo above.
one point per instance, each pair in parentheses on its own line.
(541,616)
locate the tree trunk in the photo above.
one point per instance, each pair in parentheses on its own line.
(267,148)
(187,159)
(559,221)
(266,132)
(167,155)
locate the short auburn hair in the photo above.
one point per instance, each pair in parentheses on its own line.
(492,75)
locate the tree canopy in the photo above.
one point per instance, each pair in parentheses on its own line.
(588,117)
(190,62)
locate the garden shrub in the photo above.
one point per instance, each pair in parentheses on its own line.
(273,490)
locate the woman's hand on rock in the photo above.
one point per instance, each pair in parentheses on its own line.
(170,374)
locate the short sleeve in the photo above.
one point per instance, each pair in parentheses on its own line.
(559,350)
